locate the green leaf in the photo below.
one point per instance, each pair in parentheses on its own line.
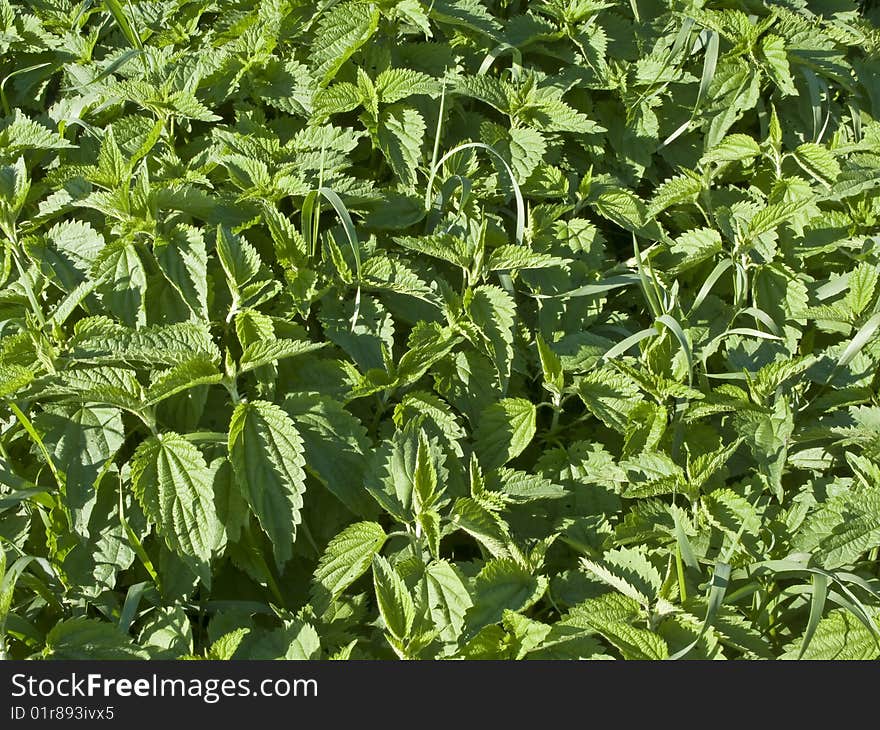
(296,640)
(86,638)
(13,378)
(733,148)
(400,134)
(181,377)
(346,558)
(773,49)
(262,353)
(335,445)
(448,600)
(839,636)
(774,215)
(123,295)
(174,486)
(340,32)
(493,312)
(266,452)
(81,439)
(506,258)
(394,84)
(628,571)
(484,525)
(690,249)
(395,602)
(183,260)
(551,365)
(225,647)
(818,162)
(674,191)
(239,259)
(862,283)
(633,642)
(610,397)
(502,585)
(160,345)
(504,430)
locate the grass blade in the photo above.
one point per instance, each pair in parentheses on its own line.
(676,330)
(714,601)
(817,606)
(624,345)
(867,331)
(519,233)
(123,20)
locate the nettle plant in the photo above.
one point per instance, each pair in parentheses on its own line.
(462,329)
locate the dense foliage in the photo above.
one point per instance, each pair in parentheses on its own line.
(465,329)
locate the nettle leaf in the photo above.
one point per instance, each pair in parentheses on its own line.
(72,248)
(428,344)
(266,452)
(690,249)
(774,215)
(337,99)
(85,638)
(81,439)
(839,635)
(161,345)
(239,259)
(346,558)
(363,342)
(818,161)
(862,283)
(857,531)
(675,191)
(622,207)
(394,84)
(14,378)
(395,602)
(225,647)
(507,258)
(448,600)
(484,525)
(296,640)
(400,134)
(628,571)
(394,472)
(504,430)
(183,260)
(427,411)
(634,642)
(502,585)
(340,32)
(492,310)
(524,147)
(613,615)
(182,377)
(123,294)
(336,448)
(733,148)
(773,49)
(610,397)
(174,486)
(732,513)
(263,353)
